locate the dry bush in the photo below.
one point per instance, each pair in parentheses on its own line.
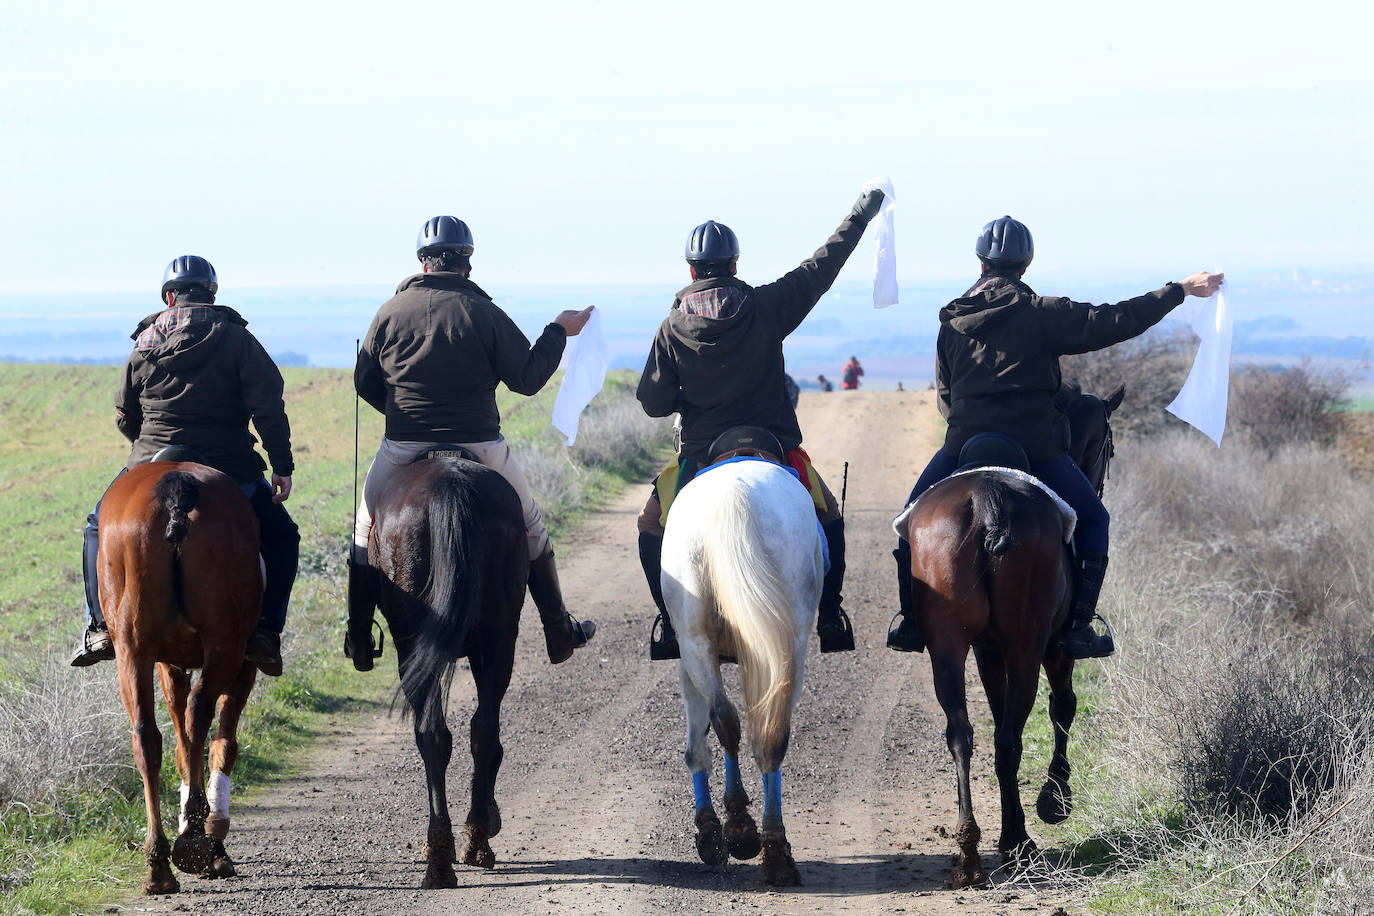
(62,735)
(1274,407)
(621,436)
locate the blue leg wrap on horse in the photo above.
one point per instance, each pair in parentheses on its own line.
(701,789)
(734,785)
(772,796)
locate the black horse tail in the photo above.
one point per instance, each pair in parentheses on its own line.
(992,512)
(449,601)
(177,492)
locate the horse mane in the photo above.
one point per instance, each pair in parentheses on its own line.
(756,605)
(177,493)
(449,598)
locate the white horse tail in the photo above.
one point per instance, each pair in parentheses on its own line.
(756,606)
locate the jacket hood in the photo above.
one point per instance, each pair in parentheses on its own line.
(989,303)
(178,337)
(441,279)
(712,316)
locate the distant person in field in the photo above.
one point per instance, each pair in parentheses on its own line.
(825,383)
(430,362)
(195,379)
(850,375)
(899,387)
(717,361)
(997,370)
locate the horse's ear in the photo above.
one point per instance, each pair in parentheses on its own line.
(1113,400)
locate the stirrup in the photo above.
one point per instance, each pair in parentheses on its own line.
(362,661)
(836,640)
(901,639)
(663,641)
(1084,642)
(583,631)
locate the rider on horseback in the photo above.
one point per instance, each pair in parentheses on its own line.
(430,362)
(717,361)
(195,378)
(997,370)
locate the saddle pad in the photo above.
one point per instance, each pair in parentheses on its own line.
(1068,517)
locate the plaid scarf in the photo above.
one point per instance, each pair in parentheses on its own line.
(170,321)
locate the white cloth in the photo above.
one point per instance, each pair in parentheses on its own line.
(1202,401)
(1068,518)
(885,255)
(583,376)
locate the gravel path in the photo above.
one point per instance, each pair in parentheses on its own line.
(596,801)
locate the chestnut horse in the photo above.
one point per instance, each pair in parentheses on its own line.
(449,541)
(181,584)
(991,572)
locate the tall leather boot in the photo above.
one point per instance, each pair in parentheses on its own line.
(662,638)
(905,635)
(832,623)
(562,634)
(364,594)
(96,645)
(1077,639)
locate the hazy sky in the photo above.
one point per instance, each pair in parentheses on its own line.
(305,143)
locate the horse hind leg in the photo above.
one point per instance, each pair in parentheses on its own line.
(1055,802)
(224,750)
(741,833)
(948,669)
(194,850)
(136,690)
(435,743)
(1022,681)
(491,670)
(699,669)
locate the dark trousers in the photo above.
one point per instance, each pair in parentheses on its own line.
(280,547)
(1059,474)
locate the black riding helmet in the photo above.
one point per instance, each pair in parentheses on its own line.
(443,233)
(1005,241)
(188,272)
(711,242)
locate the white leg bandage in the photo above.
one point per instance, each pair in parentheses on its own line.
(185,797)
(219,794)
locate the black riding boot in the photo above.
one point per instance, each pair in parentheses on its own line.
(562,634)
(281,550)
(662,639)
(906,635)
(832,623)
(96,645)
(1077,639)
(364,594)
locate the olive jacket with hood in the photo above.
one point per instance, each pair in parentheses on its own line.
(434,354)
(997,357)
(195,378)
(717,358)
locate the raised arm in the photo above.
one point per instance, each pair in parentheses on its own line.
(525,369)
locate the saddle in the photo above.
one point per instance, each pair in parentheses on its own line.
(745,442)
(447,451)
(179,453)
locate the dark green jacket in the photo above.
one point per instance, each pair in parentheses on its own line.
(195,378)
(997,357)
(434,354)
(717,357)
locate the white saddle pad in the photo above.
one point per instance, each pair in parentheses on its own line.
(1068,517)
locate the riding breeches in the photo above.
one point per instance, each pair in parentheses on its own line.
(1063,476)
(495,454)
(280,548)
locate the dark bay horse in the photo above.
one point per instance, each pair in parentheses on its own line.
(449,540)
(991,573)
(181,584)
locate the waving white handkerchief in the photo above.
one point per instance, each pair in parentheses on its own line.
(1202,402)
(583,376)
(885,255)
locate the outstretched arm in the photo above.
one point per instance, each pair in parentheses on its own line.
(525,369)
(1077,327)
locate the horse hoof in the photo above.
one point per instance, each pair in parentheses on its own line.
(711,839)
(193,853)
(779,868)
(741,835)
(478,855)
(221,866)
(160,880)
(439,875)
(966,876)
(1055,802)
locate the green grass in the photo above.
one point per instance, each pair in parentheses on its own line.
(59,452)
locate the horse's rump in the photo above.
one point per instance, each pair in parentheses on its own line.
(442,525)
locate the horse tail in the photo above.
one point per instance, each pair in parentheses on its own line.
(177,493)
(449,600)
(756,604)
(992,513)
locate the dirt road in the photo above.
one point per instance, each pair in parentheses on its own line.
(596,800)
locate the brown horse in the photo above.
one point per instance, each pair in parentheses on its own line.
(181,584)
(449,540)
(991,573)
